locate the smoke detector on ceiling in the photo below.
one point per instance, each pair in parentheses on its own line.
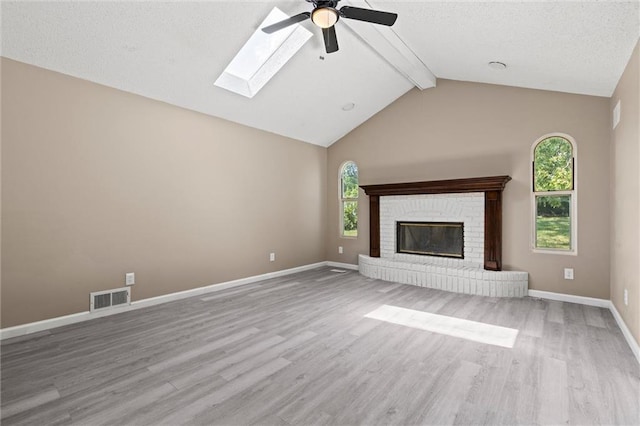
(498,65)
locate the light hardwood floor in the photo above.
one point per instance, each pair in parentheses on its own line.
(298,350)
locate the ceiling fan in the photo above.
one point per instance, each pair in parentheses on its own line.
(325,15)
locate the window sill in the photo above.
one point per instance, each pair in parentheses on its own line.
(551,251)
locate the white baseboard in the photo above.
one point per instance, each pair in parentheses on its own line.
(222,286)
(34,327)
(635,348)
(581,300)
(343,265)
(591,301)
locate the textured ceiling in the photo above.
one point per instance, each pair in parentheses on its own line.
(174,51)
(576,47)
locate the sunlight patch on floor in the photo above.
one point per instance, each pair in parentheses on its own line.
(456,327)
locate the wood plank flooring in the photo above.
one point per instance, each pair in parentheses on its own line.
(298,350)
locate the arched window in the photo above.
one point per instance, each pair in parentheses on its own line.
(554,195)
(349,199)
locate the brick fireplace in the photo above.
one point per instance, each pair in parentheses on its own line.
(467,209)
(476,203)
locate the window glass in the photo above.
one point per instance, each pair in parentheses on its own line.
(350,180)
(553,165)
(553,222)
(349,199)
(350,219)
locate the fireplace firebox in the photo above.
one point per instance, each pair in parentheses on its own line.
(443,239)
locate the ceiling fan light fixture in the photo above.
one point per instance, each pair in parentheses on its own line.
(324,17)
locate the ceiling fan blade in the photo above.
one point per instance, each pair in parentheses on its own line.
(330,39)
(269,29)
(368,15)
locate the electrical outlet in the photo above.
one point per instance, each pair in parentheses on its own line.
(626,297)
(340,251)
(568,273)
(130,278)
(272,257)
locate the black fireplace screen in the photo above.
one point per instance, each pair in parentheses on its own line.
(443,239)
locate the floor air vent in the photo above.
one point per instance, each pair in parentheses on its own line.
(107,299)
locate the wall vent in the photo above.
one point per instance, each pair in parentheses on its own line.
(100,300)
(616,114)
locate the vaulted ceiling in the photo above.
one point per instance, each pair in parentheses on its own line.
(174,51)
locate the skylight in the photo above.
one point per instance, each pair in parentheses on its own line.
(262,56)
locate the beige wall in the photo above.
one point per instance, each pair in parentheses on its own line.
(459,130)
(625,196)
(97,182)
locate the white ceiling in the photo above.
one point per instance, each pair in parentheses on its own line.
(174,51)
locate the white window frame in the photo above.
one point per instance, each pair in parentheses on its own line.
(341,201)
(573,212)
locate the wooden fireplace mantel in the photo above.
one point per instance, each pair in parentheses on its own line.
(491,186)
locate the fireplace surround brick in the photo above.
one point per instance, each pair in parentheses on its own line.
(467,208)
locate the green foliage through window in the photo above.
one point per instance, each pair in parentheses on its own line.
(350,180)
(350,218)
(553,183)
(553,222)
(349,199)
(553,165)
